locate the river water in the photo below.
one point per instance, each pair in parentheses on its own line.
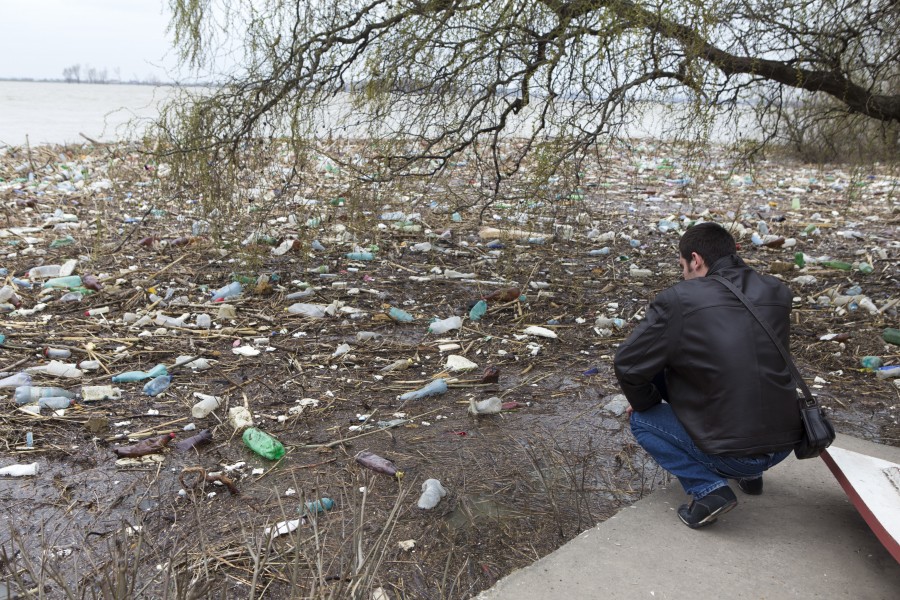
(59,113)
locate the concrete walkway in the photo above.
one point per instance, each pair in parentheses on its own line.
(801,539)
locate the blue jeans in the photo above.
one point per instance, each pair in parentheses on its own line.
(662,435)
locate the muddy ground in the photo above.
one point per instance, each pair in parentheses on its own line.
(520,483)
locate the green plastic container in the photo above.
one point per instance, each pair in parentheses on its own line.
(837,264)
(891,336)
(263,444)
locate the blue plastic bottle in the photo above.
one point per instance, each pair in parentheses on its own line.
(157,385)
(435,388)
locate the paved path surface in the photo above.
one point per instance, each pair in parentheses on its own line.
(801,539)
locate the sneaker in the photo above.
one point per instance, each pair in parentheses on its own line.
(707,509)
(754,486)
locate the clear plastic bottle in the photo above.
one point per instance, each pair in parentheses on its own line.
(157,385)
(232,289)
(16,380)
(263,444)
(204,321)
(55,402)
(435,388)
(44,271)
(315,311)
(27,394)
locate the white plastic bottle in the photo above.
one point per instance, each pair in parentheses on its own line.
(206,405)
(20,470)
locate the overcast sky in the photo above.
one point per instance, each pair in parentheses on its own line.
(39,38)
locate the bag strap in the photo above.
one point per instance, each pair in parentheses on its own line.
(809,400)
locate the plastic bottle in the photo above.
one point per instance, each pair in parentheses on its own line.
(891,336)
(156,371)
(89,365)
(399,315)
(71,297)
(432,492)
(360,256)
(319,506)
(888,372)
(378,464)
(367,336)
(56,368)
(130,376)
(435,388)
(20,470)
(200,439)
(206,405)
(55,402)
(149,446)
(478,310)
(445,325)
(229,291)
(72,281)
(94,312)
(44,271)
(29,439)
(27,394)
(167,321)
(157,385)
(837,264)
(314,311)
(865,268)
(504,295)
(204,321)
(263,444)
(57,352)
(16,380)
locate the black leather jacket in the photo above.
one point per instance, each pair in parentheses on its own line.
(727,382)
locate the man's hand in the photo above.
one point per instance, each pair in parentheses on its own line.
(628,411)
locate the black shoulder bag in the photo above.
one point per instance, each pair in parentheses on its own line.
(818,432)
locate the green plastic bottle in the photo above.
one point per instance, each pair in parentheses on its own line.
(63,282)
(263,444)
(891,336)
(837,264)
(800,259)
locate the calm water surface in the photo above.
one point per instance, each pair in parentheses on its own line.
(58,113)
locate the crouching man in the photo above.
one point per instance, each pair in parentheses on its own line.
(711,396)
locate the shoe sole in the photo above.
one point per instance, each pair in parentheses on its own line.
(711,517)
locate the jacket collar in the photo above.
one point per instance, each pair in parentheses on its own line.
(732,260)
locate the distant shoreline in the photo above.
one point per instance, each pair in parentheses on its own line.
(107,82)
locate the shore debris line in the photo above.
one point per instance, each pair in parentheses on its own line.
(145,321)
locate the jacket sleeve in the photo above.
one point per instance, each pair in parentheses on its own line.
(646,351)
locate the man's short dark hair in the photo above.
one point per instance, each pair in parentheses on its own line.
(709,240)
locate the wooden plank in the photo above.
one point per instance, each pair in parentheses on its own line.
(873,485)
